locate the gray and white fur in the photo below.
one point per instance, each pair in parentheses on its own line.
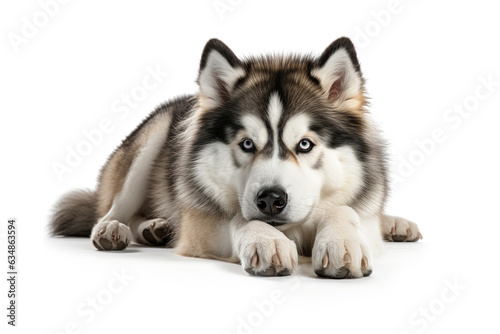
(274,157)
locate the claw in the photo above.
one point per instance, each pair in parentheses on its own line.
(393,231)
(347,258)
(364,262)
(294,265)
(325,261)
(102,231)
(420,236)
(276,260)
(255,259)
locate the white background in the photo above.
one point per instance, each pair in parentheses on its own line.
(421,61)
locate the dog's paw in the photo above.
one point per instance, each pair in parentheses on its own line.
(269,256)
(399,229)
(341,254)
(155,232)
(111,235)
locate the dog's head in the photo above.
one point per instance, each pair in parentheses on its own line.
(277,134)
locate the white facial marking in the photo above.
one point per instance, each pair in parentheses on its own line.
(274,110)
(256,130)
(295,129)
(214,171)
(345,174)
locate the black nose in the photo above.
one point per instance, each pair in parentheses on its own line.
(271,201)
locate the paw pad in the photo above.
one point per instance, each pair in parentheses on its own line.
(158,233)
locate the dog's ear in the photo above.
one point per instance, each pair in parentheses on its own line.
(220,69)
(338,71)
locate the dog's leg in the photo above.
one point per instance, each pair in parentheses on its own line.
(151,232)
(340,249)
(399,229)
(262,249)
(203,235)
(111,231)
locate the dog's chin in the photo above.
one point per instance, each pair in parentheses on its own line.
(273,221)
(281,226)
(280,223)
(276,224)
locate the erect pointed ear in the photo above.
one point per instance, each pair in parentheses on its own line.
(220,69)
(339,73)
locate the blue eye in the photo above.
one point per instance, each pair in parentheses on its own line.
(304,146)
(247,145)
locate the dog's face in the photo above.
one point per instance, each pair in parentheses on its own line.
(276,135)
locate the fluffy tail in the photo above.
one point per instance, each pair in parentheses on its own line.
(74,214)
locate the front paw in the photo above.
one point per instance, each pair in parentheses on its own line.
(340,254)
(110,235)
(269,256)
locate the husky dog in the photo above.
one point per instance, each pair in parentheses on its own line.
(273,158)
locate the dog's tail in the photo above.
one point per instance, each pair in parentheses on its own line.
(74,214)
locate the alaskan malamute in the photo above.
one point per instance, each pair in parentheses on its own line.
(274,157)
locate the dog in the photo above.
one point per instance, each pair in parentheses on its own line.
(274,157)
